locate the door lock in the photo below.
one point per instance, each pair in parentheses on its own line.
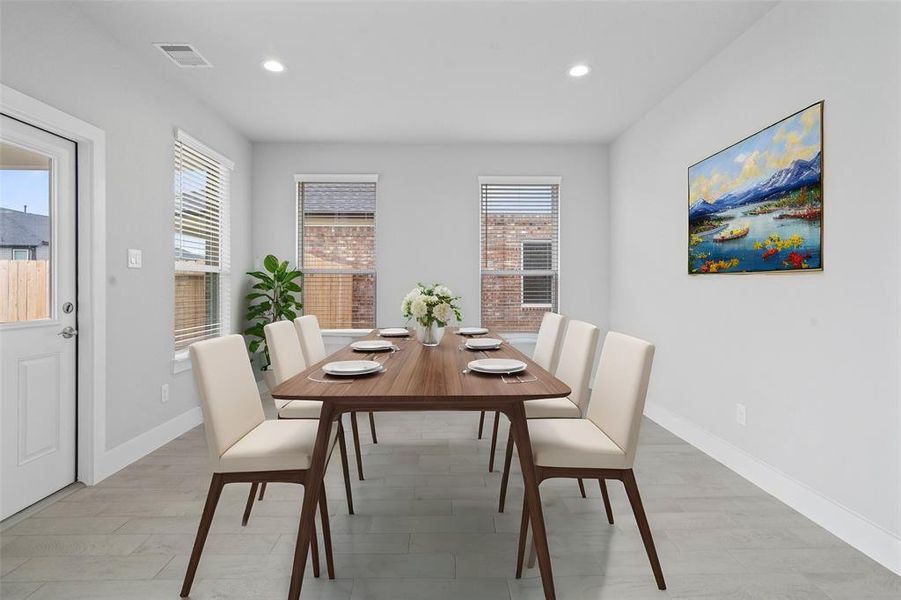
(68,332)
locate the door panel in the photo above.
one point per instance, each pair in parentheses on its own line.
(37,277)
(38,409)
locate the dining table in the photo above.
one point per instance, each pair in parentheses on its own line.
(415,377)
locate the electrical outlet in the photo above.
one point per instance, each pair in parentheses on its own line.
(164,393)
(135,258)
(741,414)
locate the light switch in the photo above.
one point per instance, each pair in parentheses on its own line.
(134,258)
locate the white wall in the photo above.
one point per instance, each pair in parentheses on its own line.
(51,52)
(428,213)
(813,356)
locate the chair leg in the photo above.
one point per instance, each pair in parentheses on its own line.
(326,534)
(643,527)
(505,478)
(533,554)
(523,533)
(607,507)
(481,423)
(262,490)
(342,447)
(356,434)
(497,418)
(314,549)
(582,488)
(375,438)
(206,519)
(250,498)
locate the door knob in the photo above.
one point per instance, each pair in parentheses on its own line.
(68,332)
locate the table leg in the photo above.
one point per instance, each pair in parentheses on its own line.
(312,489)
(532,497)
(497,418)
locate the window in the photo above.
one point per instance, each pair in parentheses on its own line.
(519,253)
(21,254)
(537,290)
(201,242)
(336,248)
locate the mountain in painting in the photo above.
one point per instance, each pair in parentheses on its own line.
(799,174)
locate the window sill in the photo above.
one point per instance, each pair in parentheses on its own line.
(537,306)
(346,332)
(520,337)
(181,362)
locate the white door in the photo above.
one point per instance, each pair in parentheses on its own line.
(37,314)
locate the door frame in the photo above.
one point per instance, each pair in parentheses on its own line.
(91,266)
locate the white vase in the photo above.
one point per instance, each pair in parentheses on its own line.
(431,335)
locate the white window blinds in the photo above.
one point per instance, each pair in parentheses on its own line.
(336,249)
(202,299)
(519,253)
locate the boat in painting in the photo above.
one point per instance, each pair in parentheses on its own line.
(809,213)
(733,234)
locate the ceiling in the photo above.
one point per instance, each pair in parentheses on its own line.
(430,71)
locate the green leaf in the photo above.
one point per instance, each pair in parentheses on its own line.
(260,275)
(292,287)
(254,346)
(270,263)
(256,330)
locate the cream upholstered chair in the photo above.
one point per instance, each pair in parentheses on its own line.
(574,369)
(603,445)
(547,344)
(545,355)
(314,351)
(287,361)
(244,446)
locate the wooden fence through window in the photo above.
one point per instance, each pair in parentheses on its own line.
(24,290)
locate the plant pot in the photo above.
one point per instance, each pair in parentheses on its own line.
(269,378)
(429,335)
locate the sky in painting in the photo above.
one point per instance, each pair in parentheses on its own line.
(21,188)
(758,157)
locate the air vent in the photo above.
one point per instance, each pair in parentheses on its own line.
(184,55)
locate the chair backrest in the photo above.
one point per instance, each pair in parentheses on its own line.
(620,387)
(547,346)
(580,344)
(285,351)
(310,338)
(228,392)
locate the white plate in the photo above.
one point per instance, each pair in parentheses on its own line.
(394,332)
(497,366)
(352,367)
(372,345)
(483,343)
(472,331)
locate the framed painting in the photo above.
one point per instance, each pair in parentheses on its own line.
(757,206)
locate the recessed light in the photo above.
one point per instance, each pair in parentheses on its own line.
(579,71)
(273,66)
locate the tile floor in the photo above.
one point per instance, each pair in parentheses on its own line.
(427,527)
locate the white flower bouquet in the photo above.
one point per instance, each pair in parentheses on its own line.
(432,308)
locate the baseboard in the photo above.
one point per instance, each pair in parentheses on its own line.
(875,541)
(115,459)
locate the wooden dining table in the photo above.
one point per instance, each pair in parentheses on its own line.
(420,378)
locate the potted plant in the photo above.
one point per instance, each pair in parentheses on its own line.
(432,308)
(271,299)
